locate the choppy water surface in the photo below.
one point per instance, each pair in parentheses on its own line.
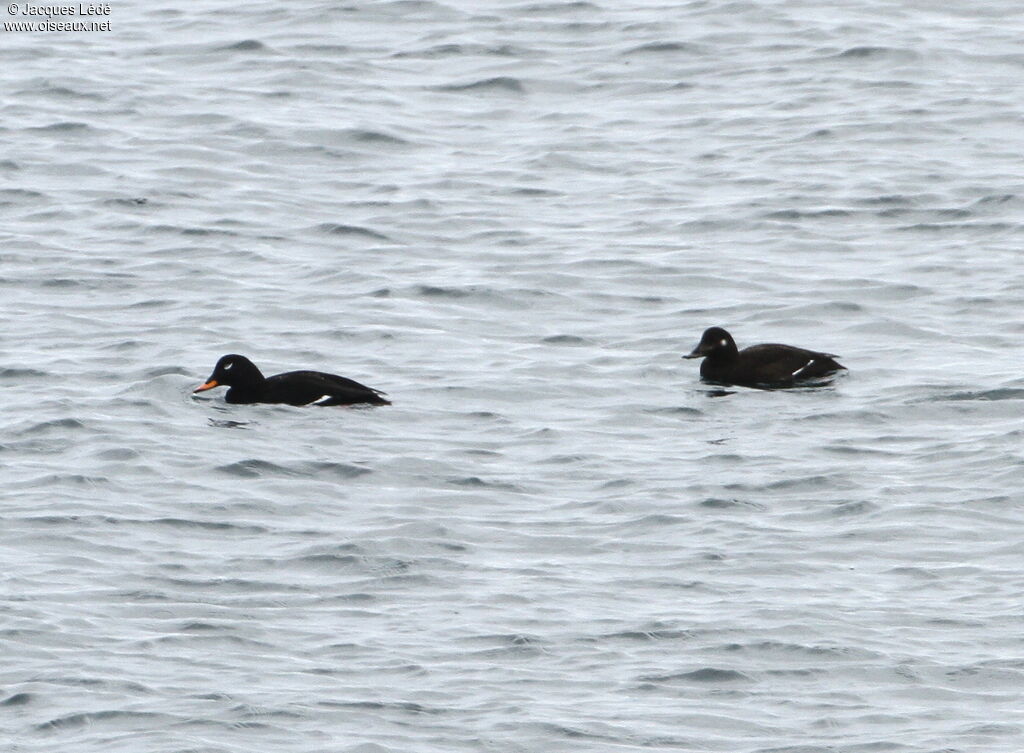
(514,218)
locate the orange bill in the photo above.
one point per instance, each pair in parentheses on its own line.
(204,387)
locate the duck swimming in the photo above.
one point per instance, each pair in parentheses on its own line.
(248,385)
(769,365)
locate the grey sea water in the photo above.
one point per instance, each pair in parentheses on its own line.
(514,217)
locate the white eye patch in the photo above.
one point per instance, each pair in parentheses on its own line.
(724,342)
(227,366)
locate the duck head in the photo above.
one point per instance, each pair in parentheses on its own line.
(232,370)
(714,342)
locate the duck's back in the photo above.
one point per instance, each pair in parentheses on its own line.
(773,363)
(770,364)
(304,387)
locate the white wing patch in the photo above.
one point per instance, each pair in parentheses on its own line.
(803,368)
(322,399)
